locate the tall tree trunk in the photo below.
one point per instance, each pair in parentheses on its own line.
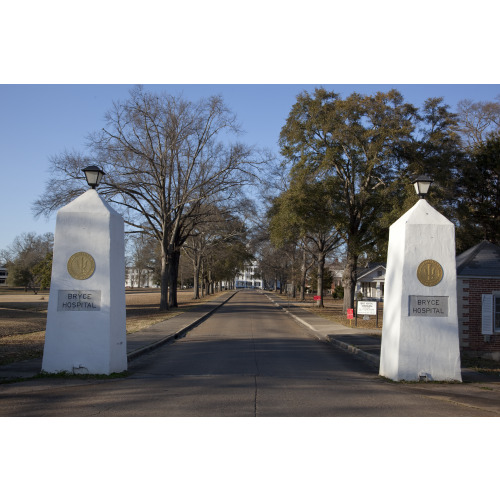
(349,280)
(196,277)
(303,276)
(321,270)
(164,282)
(202,279)
(211,282)
(172,278)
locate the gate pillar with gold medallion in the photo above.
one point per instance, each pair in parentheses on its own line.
(86,330)
(420,332)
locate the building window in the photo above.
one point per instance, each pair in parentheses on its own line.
(496,300)
(490,313)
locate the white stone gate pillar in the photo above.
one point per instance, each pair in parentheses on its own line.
(86,330)
(420,331)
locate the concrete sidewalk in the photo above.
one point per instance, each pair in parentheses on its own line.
(137,343)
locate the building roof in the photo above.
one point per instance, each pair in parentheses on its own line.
(481,260)
(361,273)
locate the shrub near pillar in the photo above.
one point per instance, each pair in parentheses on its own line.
(86,329)
(420,332)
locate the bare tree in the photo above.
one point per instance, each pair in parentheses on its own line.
(24,257)
(219,231)
(478,120)
(143,259)
(164,157)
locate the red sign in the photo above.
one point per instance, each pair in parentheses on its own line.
(350,313)
(317,297)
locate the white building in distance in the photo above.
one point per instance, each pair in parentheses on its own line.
(139,278)
(247,277)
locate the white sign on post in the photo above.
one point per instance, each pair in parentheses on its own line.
(367,308)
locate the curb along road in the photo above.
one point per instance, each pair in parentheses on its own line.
(172,336)
(372,358)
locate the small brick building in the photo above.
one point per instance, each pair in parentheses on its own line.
(478,293)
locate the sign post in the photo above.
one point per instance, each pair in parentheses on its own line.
(368,308)
(350,315)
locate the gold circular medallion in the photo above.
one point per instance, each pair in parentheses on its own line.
(429,272)
(81,266)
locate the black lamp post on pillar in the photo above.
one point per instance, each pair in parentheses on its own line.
(422,184)
(94,175)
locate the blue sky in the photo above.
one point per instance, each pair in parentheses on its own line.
(38,121)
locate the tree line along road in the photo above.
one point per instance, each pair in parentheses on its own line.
(247,359)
